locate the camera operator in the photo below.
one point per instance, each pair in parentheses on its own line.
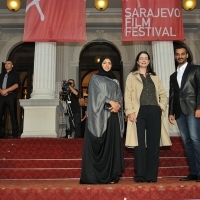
(73,109)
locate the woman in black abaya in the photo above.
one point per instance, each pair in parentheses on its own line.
(102,160)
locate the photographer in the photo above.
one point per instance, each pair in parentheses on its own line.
(70,95)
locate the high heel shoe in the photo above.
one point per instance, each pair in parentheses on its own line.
(114,181)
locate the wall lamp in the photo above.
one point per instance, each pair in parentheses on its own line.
(101,5)
(13,5)
(189,4)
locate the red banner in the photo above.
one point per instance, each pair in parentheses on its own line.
(55,21)
(152,20)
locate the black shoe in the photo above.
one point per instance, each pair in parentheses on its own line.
(139,181)
(189,177)
(151,181)
(198,179)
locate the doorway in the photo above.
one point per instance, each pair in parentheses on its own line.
(89,62)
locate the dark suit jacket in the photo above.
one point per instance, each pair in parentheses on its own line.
(13,78)
(187,98)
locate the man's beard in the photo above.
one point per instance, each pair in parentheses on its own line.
(181,61)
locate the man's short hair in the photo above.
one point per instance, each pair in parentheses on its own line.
(180,47)
(9,61)
(71,80)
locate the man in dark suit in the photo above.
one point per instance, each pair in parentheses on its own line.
(9,83)
(184,107)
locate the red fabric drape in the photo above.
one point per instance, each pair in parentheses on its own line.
(55,21)
(151,20)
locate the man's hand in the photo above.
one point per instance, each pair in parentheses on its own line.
(4,92)
(10,89)
(73,90)
(171,119)
(197,113)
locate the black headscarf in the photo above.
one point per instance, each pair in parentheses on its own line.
(102,72)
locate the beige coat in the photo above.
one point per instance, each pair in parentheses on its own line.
(133,91)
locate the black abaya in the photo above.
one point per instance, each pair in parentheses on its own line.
(103,160)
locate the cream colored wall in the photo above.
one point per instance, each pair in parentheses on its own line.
(126,50)
(68,54)
(8,44)
(193,42)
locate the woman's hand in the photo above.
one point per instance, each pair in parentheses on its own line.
(115,106)
(171,119)
(132,117)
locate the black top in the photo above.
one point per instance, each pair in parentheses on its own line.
(13,78)
(148,95)
(83,110)
(75,107)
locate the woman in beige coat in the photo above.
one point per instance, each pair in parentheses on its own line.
(145,103)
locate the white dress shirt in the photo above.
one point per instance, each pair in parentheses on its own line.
(180,71)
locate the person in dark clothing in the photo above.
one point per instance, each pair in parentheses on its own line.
(73,110)
(9,82)
(102,160)
(83,109)
(184,107)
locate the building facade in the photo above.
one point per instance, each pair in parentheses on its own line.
(42,110)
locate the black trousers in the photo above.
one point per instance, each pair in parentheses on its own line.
(75,125)
(146,154)
(11,102)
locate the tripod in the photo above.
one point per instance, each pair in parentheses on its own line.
(70,126)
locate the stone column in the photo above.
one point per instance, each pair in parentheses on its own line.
(164,66)
(42,111)
(61,74)
(141,46)
(163,61)
(44,71)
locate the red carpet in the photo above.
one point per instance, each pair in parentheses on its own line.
(49,168)
(126,189)
(52,158)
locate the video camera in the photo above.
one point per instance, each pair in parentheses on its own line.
(65,90)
